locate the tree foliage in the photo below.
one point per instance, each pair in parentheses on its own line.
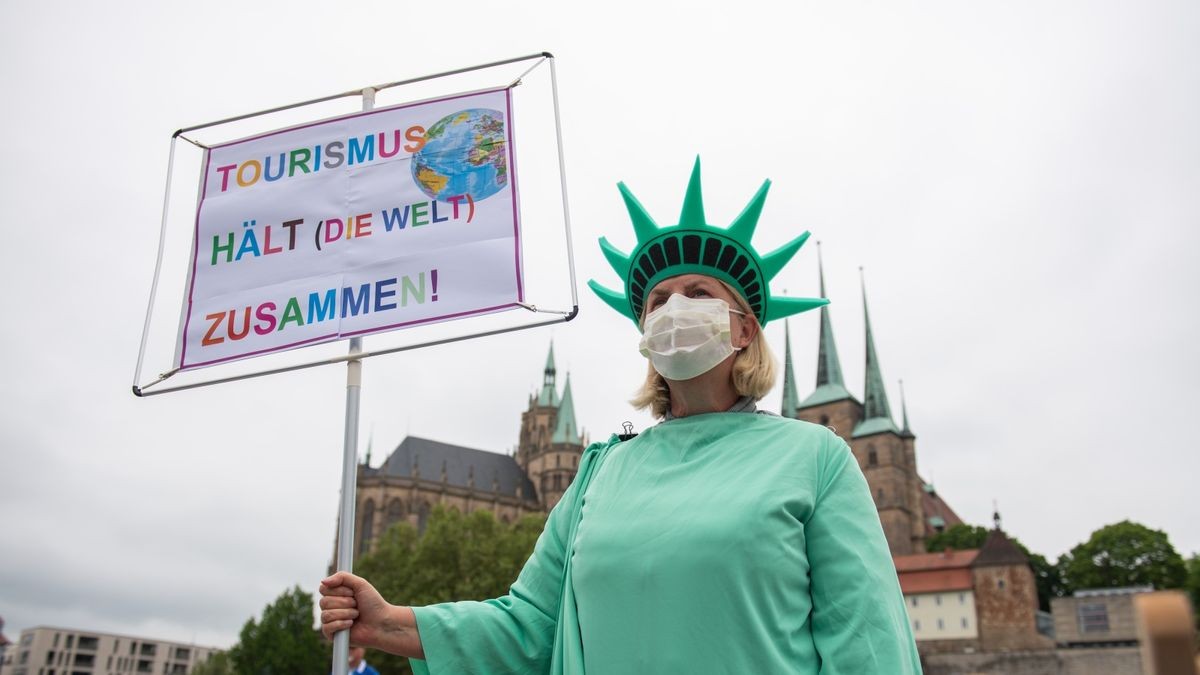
(284,641)
(1192,585)
(961,537)
(217,663)
(459,557)
(1124,554)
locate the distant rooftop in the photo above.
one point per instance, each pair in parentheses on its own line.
(1123,590)
(428,457)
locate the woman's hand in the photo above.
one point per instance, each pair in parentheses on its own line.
(350,602)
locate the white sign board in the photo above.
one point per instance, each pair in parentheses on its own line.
(360,224)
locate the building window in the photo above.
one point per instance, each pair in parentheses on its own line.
(872,456)
(914,601)
(364,541)
(824,420)
(70,641)
(941,624)
(962,598)
(89,643)
(937,600)
(964,622)
(1000,584)
(916,626)
(183,653)
(395,513)
(879,494)
(422,517)
(1093,617)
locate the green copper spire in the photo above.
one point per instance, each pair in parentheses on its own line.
(904,430)
(877,415)
(566,430)
(830,386)
(790,399)
(693,246)
(549,393)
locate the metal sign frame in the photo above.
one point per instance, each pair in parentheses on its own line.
(154,386)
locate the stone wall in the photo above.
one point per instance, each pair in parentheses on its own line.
(1112,661)
(1006,600)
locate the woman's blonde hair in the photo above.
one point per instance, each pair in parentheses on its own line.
(753,370)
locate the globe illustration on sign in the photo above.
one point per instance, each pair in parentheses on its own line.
(464,154)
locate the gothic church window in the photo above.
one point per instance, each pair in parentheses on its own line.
(422,517)
(395,512)
(872,456)
(368,526)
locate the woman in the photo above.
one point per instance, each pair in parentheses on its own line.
(718,541)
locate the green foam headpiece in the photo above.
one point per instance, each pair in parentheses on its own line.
(695,247)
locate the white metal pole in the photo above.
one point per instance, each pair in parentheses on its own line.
(345,552)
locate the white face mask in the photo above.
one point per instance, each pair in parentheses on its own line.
(687,337)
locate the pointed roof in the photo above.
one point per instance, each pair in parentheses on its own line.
(566,430)
(458,463)
(877,415)
(549,393)
(830,386)
(998,549)
(790,398)
(905,431)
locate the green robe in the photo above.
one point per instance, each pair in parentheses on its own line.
(718,543)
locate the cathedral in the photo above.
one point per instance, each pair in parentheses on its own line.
(421,473)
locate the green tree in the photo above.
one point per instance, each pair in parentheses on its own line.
(216,664)
(1193,585)
(963,537)
(283,642)
(459,557)
(1124,554)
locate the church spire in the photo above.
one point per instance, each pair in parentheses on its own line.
(790,398)
(830,386)
(877,415)
(829,367)
(904,429)
(566,430)
(549,393)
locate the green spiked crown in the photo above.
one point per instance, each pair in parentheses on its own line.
(695,247)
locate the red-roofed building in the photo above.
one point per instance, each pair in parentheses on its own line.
(982,600)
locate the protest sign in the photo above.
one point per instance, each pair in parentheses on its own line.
(360,224)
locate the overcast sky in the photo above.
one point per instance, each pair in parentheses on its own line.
(1020,181)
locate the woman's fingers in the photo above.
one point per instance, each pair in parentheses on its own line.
(328,629)
(337,602)
(335,590)
(335,615)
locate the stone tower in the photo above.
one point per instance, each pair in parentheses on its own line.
(1006,596)
(551,442)
(885,453)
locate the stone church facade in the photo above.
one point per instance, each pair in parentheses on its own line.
(422,473)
